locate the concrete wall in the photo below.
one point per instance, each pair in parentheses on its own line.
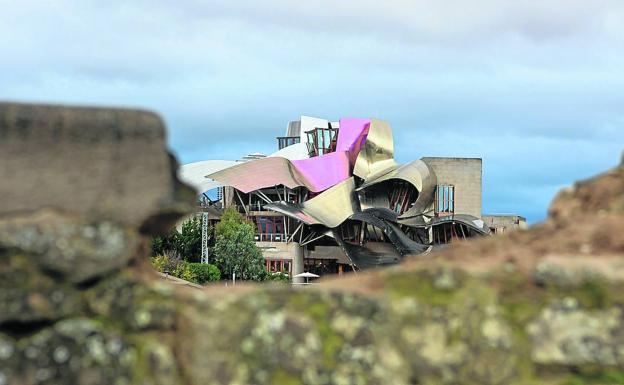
(278,250)
(504,223)
(463,173)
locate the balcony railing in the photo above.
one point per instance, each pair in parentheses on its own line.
(251,207)
(270,238)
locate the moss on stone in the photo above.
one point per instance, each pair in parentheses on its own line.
(123,300)
(281,377)
(152,360)
(428,286)
(29,294)
(594,376)
(594,294)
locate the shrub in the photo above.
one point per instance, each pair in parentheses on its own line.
(159,262)
(187,273)
(204,272)
(169,262)
(278,277)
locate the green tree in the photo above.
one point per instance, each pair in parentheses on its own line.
(235,250)
(186,243)
(230,221)
(166,243)
(189,240)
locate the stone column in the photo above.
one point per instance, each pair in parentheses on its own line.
(298,262)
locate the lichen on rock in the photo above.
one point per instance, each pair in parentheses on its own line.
(78,250)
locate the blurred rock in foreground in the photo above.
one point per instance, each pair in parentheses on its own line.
(83,189)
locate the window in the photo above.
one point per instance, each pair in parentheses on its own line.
(278,265)
(269,229)
(286,141)
(321,141)
(445,200)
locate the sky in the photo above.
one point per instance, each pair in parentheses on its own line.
(535,88)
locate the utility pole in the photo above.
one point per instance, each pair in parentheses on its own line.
(204,240)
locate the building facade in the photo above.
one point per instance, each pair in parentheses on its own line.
(332,199)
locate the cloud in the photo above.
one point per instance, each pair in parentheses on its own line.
(533,87)
(414,19)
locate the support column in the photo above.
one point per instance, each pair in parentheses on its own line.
(298,262)
(204,238)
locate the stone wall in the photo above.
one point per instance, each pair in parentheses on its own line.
(79,304)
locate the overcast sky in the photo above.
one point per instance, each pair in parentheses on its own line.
(535,88)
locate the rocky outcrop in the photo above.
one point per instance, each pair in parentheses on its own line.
(80,305)
(100,163)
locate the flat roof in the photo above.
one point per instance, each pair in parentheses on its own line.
(450,157)
(503,215)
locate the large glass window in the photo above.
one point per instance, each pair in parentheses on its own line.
(445,200)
